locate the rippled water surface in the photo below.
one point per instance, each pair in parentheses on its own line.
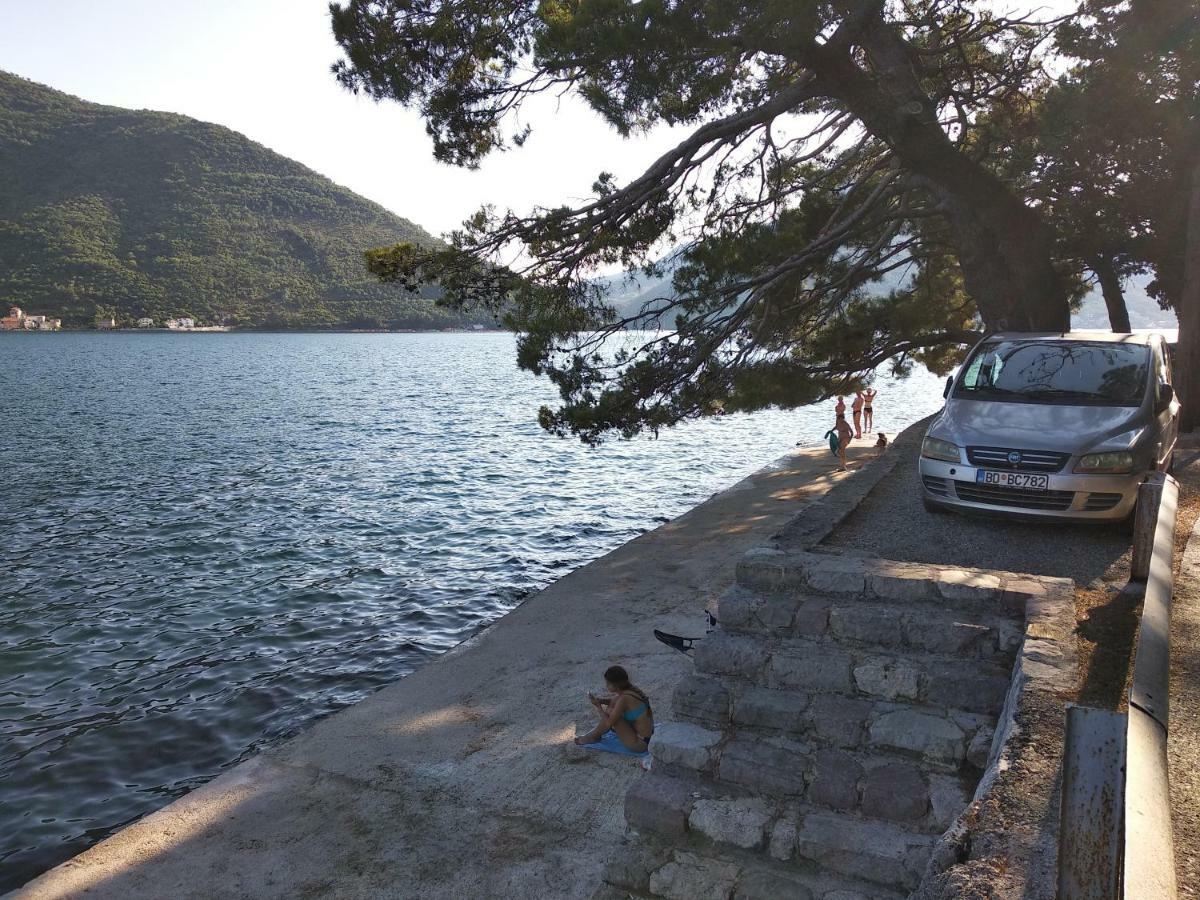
(208,541)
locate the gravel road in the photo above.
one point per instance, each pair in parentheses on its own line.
(1183,741)
(893,523)
(1183,744)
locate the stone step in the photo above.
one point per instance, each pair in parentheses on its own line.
(824,666)
(774,881)
(914,626)
(819,574)
(659,803)
(809,841)
(879,853)
(874,782)
(943,738)
(700,872)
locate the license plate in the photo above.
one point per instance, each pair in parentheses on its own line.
(1013,479)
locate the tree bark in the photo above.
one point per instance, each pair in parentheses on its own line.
(1003,247)
(1187,355)
(1114,297)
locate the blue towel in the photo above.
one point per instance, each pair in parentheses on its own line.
(610,743)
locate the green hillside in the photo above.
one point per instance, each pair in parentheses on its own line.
(154,214)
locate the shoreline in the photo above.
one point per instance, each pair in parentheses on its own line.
(473,745)
(231,329)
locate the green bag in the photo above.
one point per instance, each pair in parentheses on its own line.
(834,443)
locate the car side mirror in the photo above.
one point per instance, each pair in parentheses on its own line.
(1166,394)
(946,389)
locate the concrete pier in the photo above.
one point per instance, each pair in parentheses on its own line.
(458,781)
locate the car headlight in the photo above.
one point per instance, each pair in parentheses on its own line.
(934,448)
(1114,463)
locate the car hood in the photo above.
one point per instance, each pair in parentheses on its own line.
(1038,426)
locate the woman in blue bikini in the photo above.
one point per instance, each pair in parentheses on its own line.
(627,713)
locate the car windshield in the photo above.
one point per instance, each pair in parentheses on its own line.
(1070,373)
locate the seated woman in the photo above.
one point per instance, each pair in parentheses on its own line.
(627,712)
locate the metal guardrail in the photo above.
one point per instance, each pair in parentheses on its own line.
(1149,852)
(1115,839)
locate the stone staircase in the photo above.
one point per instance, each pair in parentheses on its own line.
(837,724)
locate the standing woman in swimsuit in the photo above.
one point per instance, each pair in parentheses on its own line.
(627,712)
(857,407)
(868,416)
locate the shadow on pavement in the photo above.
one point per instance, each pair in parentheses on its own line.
(1110,628)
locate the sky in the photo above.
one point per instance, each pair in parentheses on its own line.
(261,67)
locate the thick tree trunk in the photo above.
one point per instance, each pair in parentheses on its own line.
(1187,356)
(1003,247)
(1114,297)
(1004,250)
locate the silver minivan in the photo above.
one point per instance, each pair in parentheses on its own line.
(1057,426)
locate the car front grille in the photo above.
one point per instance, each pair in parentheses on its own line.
(1099,502)
(1031,460)
(1015,497)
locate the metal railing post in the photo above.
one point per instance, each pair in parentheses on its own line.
(1093,805)
(1145,526)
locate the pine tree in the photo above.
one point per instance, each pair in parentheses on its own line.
(838,203)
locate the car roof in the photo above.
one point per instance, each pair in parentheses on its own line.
(1140,336)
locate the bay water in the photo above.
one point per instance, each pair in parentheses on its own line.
(209,541)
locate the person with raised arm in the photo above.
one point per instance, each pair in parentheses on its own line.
(869,396)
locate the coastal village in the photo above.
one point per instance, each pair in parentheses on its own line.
(16,320)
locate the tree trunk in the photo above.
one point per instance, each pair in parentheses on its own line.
(1004,251)
(1003,247)
(1187,356)
(1114,297)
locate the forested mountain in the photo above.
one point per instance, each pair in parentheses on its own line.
(153,214)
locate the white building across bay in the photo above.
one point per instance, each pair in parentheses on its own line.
(16,320)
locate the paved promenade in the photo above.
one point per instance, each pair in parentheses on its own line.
(456,780)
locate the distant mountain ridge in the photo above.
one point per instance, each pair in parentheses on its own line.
(139,213)
(1144,311)
(629,291)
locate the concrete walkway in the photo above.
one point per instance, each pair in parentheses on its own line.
(455,781)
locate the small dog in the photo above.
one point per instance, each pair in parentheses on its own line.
(881,444)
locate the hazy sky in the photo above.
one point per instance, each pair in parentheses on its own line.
(261,67)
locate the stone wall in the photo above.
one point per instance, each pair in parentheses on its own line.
(853,729)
